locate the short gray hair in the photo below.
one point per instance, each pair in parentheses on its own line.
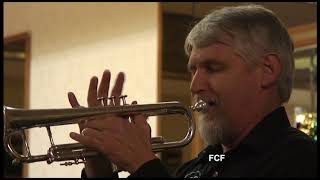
(253,30)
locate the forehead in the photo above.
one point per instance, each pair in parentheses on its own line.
(216,52)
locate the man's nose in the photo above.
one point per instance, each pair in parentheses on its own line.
(198,83)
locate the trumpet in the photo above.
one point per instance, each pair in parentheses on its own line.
(16,121)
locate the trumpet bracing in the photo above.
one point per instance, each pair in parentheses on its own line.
(18,120)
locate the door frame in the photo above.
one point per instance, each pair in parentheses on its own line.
(26,37)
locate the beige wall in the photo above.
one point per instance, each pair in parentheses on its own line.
(70,42)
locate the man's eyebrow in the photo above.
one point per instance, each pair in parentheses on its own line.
(205,62)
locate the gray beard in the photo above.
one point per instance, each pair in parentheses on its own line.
(213,130)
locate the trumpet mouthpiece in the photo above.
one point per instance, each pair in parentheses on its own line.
(199,106)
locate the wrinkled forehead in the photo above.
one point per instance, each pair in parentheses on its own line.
(216,52)
(203,41)
(215,48)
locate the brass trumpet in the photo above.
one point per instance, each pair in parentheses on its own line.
(18,120)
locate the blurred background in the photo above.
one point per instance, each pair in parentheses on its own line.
(51,49)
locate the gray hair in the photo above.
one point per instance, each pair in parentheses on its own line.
(254,31)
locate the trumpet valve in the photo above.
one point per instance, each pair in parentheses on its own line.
(123,98)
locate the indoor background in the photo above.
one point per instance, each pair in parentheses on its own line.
(51,49)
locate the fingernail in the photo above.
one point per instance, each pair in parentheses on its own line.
(83,131)
(121,73)
(95,78)
(73,135)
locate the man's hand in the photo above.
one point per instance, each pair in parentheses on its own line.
(126,143)
(98,166)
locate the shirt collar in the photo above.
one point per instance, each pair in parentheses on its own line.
(210,149)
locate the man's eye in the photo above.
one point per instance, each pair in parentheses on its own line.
(192,71)
(211,69)
(214,69)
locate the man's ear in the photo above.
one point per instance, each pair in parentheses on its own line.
(271,69)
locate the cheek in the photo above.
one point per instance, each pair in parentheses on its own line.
(233,90)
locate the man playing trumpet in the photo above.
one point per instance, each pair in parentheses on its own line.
(241,61)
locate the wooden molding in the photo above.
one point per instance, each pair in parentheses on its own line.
(305,42)
(160,34)
(26,37)
(303,29)
(16,37)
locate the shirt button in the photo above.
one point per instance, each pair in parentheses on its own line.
(215,174)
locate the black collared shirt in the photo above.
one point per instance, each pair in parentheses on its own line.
(272,149)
